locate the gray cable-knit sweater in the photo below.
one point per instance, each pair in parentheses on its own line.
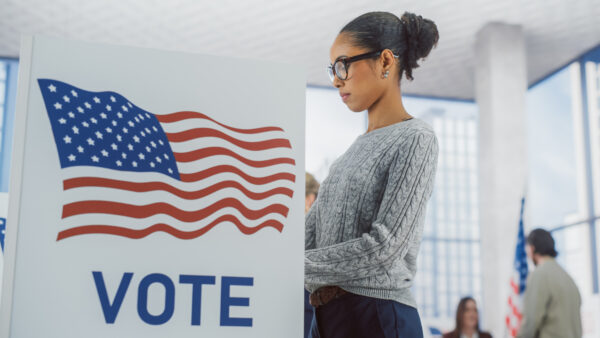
(364,230)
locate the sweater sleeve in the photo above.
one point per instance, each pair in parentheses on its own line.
(408,188)
(310,224)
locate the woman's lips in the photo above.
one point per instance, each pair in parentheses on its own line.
(344,96)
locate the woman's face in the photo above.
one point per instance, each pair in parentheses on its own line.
(470,316)
(364,85)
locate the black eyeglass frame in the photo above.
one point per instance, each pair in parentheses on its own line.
(346,61)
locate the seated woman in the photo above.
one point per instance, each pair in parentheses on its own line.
(467,321)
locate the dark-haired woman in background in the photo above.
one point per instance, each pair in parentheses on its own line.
(364,230)
(467,321)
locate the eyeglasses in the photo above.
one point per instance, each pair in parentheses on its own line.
(340,66)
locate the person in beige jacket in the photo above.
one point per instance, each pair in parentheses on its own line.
(552,303)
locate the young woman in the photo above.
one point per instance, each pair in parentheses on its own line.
(364,230)
(467,321)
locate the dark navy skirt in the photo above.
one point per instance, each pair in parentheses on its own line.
(354,316)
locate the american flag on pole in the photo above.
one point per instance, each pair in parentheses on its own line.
(517,282)
(2,233)
(128,172)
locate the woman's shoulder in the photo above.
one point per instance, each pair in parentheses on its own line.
(485,335)
(481,335)
(418,128)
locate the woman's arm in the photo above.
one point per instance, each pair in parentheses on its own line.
(310,224)
(409,186)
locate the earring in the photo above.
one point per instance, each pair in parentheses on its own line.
(387,73)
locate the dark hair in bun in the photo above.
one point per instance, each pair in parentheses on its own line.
(411,37)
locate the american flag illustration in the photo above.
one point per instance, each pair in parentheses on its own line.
(128,172)
(517,282)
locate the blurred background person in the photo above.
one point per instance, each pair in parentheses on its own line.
(310,195)
(312,188)
(467,321)
(552,303)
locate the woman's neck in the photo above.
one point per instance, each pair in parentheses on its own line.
(468,332)
(387,110)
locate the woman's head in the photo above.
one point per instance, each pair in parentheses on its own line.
(467,315)
(393,47)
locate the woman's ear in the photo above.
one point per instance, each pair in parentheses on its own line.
(388,59)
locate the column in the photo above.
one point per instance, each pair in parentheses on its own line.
(500,89)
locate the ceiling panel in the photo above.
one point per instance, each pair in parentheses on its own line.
(300,32)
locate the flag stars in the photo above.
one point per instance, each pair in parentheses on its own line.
(129,146)
(141,156)
(147,115)
(143,134)
(170,170)
(85,124)
(119,115)
(119,138)
(124,156)
(75,130)
(125,130)
(119,163)
(152,164)
(124,108)
(166,156)
(74,93)
(136,139)
(148,130)
(103,116)
(161,142)
(72,158)
(114,123)
(90,141)
(96,99)
(80,149)
(62,120)
(95,159)
(108,130)
(158,159)
(137,120)
(98,135)
(94,121)
(104,153)
(67,139)
(129,104)
(71,115)
(154,128)
(148,149)
(134,164)
(112,98)
(141,117)
(130,124)
(79,109)
(109,108)
(87,105)
(114,146)
(57,105)
(153,144)
(66,99)
(52,88)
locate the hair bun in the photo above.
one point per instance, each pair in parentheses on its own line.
(421,36)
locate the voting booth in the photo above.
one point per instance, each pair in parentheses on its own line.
(154,194)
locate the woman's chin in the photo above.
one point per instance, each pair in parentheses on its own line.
(355,108)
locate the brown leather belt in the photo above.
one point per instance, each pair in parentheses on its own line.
(326,294)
